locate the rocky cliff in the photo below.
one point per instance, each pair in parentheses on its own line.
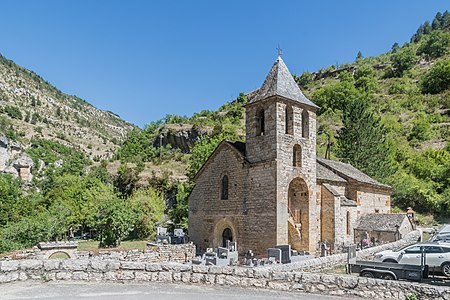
(13,161)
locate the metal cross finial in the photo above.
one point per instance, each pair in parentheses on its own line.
(280,51)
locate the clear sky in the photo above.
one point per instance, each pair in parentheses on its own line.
(145,59)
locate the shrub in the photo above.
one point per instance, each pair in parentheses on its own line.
(402,60)
(13,112)
(438,78)
(305,79)
(435,45)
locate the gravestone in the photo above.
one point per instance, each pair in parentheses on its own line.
(274,255)
(285,253)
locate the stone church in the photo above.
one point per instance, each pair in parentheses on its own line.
(273,190)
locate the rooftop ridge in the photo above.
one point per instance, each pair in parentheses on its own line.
(279,82)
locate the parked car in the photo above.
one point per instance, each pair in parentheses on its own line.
(441,237)
(437,256)
(444,229)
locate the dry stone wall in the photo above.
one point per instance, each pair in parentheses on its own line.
(158,253)
(261,277)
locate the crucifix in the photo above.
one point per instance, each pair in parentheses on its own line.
(280,51)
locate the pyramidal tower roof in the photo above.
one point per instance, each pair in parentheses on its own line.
(279,82)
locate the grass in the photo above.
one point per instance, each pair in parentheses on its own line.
(124,245)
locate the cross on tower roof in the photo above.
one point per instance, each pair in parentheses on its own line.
(280,51)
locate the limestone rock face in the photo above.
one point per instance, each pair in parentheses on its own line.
(19,167)
(180,137)
(11,170)
(4,155)
(23,165)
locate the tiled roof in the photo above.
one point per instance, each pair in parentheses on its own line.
(344,200)
(379,222)
(239,146)
(347,171)
(279,82)
(323,173)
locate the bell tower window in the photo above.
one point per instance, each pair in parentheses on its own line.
(305,124)
(260,123)
(289,119)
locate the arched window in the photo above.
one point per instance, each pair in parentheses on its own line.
(224,189)
(297,156)
(260,126)
(289,119)
(305,124)
(348,223)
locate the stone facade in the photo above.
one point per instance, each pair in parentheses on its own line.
(276,190)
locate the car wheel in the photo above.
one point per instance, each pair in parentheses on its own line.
(390,260)
(446,269)
(388,277)
(367,274)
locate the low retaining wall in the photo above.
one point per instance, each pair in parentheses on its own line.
(260,277)
(158,253)
(328,262)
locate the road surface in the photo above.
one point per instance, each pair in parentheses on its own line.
(36,290)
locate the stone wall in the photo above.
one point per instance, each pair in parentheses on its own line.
(110,270)
(158,253)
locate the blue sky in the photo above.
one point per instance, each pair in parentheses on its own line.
(145,59)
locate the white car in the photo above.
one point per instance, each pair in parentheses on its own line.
(437,256)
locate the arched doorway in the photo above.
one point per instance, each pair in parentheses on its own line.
(227,235)
(298,210)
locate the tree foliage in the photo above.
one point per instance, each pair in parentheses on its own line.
(362,141)
(435,44)
(438,78)
(402,60)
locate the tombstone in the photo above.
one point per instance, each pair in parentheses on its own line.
(161,231)
(285,253)
(233,255)
(351,254)
(178,232)
(274,255)
(232,246)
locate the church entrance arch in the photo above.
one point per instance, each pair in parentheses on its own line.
(227,235)
(224,231)
(298,210)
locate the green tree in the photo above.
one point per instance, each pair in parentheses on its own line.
(76,198)
(436,24)
(13,111)
(437,79)
(305,79)
(421,129)
(114,220)
(10,194)
(435,45)
(402,60)
(395,47)
(126,180)
(365,78)
(359,56)
(362,141)
(148,207)
(179,213)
